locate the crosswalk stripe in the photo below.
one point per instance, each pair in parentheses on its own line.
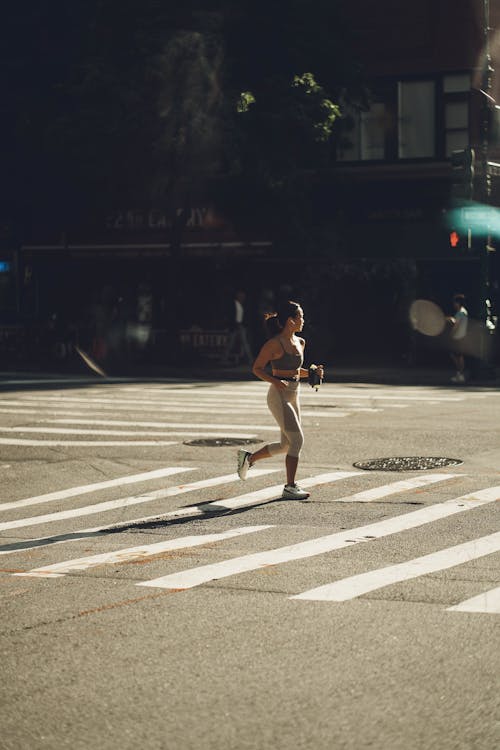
(196,576)
(93,431)
(200,408)
(155,495)
(85,443)
(251,498)
(126,423)
(376,493)
(354,586)
(84,489)
(239,501)
(193,401)
(123,502)
(173,425)
(142,402)
(487,602)
(57,570)
(220,397)
(324,393)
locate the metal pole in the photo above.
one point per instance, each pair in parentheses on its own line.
(485,304)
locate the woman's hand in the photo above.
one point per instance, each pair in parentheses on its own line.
(281,385)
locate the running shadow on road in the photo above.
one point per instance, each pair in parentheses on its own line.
(208,510)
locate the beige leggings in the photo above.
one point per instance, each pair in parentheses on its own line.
(285,408)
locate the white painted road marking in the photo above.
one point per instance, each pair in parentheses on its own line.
(252,498)
(239,501)
(123,502)
(80,431)
(350,588)
(326,392)
(136,553)
(196,576)
(215,397)
(132,423)
(376,493)
(134,500)
(85,443)
(165,425)
(487,602)
(84,489)
(160,406)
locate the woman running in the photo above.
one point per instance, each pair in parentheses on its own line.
(285,352)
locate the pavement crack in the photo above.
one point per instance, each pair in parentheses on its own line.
(92,611)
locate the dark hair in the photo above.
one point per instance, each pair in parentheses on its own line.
(275,322)
(459,299)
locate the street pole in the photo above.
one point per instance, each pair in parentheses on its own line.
(484,292)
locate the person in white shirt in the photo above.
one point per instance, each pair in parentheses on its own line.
(458,322)
(238,335)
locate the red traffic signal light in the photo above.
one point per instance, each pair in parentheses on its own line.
(454,239)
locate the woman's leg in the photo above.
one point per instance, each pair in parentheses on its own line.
(259,455)
(276,407)
(295,436)
(285,409)
(291,463)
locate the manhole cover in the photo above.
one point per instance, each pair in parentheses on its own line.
(218,442)
(407,463)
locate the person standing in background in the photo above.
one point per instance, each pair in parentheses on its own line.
(458,323)
(238,337)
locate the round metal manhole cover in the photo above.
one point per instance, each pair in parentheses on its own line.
(220,442)
(407,463)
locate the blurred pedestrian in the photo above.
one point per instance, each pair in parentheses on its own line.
(237,345)
(458,323)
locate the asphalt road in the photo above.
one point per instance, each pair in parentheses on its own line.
(151,599)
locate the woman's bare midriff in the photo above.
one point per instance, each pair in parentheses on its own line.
(286,374)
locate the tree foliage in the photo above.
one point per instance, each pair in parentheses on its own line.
(116,102)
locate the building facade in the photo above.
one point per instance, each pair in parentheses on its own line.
(417,161)
(389,225)
(432,91)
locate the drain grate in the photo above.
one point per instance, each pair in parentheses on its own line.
(407,463)
(219,442)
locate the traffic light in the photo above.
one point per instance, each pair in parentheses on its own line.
(460,241)
(463,164)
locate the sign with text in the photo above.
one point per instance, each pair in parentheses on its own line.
(197,217)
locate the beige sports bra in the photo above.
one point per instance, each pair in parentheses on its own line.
(287,361)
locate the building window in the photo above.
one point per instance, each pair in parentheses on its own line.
(456,83)
(420,105)
(365,136)
(456,89)
(416,119)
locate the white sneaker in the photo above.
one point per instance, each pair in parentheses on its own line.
(458,378)
(243,463)
(293,492)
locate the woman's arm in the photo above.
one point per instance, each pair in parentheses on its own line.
(304,372)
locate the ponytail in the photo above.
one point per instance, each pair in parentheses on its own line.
(272,323)
(275,322)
